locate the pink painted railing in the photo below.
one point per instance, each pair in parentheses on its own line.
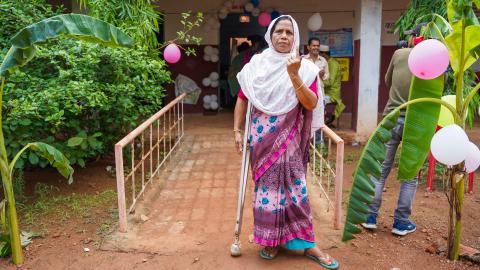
(163,132)
(324,163)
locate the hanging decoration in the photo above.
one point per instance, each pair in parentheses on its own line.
(172,53)
(265,16)
(264,19)
(275,14)
(315,22)
(210,102)
(429,59)
(450,145)
(210,54)
(249,7)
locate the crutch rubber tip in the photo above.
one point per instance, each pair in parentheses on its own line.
(235,250)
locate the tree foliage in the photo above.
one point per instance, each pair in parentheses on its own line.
(73,91)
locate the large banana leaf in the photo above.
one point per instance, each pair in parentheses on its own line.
(472,43)
(458,10)
(363,189)
(461,15)
(50,153)
(437,27)
(420,124)
(73,25)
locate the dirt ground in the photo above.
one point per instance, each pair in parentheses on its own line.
(63,242)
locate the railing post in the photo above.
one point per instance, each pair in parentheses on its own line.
(130,140)
(183,120)
(122,209)
(338,186)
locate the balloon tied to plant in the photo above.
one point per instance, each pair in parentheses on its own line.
(454,41)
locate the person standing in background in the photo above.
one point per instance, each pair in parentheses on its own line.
(318,113)
(398,79)
(333,84)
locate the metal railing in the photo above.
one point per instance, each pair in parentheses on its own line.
(324,163)
(163,132)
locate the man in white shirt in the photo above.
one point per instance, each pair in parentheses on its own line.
(314,56)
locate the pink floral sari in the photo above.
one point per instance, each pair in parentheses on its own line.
(279,156)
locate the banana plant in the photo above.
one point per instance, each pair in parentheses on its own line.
(24,46)
(461,35)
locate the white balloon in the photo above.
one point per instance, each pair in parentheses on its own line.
(315,22)
(213,98)
(214,105)
(472,161)
(249,7)
(206,82)
(215,51)
(207,99)
(208,49)
(214,84)
(214,76)
(255,12)
(450,145)
(206,106)
(214,58)
(207,58)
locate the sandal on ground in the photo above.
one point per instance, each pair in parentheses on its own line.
(269,253)
(333,263)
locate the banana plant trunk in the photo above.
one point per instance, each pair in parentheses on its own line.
(17,255)
(457,191)
(14,230)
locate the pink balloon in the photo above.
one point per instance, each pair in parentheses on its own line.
(264,19)
(172,54)
(472,161)
(429,59)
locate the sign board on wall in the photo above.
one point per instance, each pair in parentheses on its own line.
(340,41)
(389,26)
(344,68)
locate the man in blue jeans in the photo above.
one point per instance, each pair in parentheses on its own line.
(398,78)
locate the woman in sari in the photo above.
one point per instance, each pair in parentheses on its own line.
(282,89)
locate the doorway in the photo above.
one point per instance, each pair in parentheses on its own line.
(232,31)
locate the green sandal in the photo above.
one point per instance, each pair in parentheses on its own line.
(266,255)
(333,265)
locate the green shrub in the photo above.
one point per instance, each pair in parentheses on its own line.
(80,98)
(16,14)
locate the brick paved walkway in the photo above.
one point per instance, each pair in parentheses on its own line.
(192,208)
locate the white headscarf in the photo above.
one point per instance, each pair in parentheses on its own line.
(265,81)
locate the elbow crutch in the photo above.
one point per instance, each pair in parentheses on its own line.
(235,248)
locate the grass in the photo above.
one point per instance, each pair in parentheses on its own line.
(350,158)
(59,209)
(107,224)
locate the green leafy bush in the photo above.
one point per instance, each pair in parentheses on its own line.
(79,97)
(16,14)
